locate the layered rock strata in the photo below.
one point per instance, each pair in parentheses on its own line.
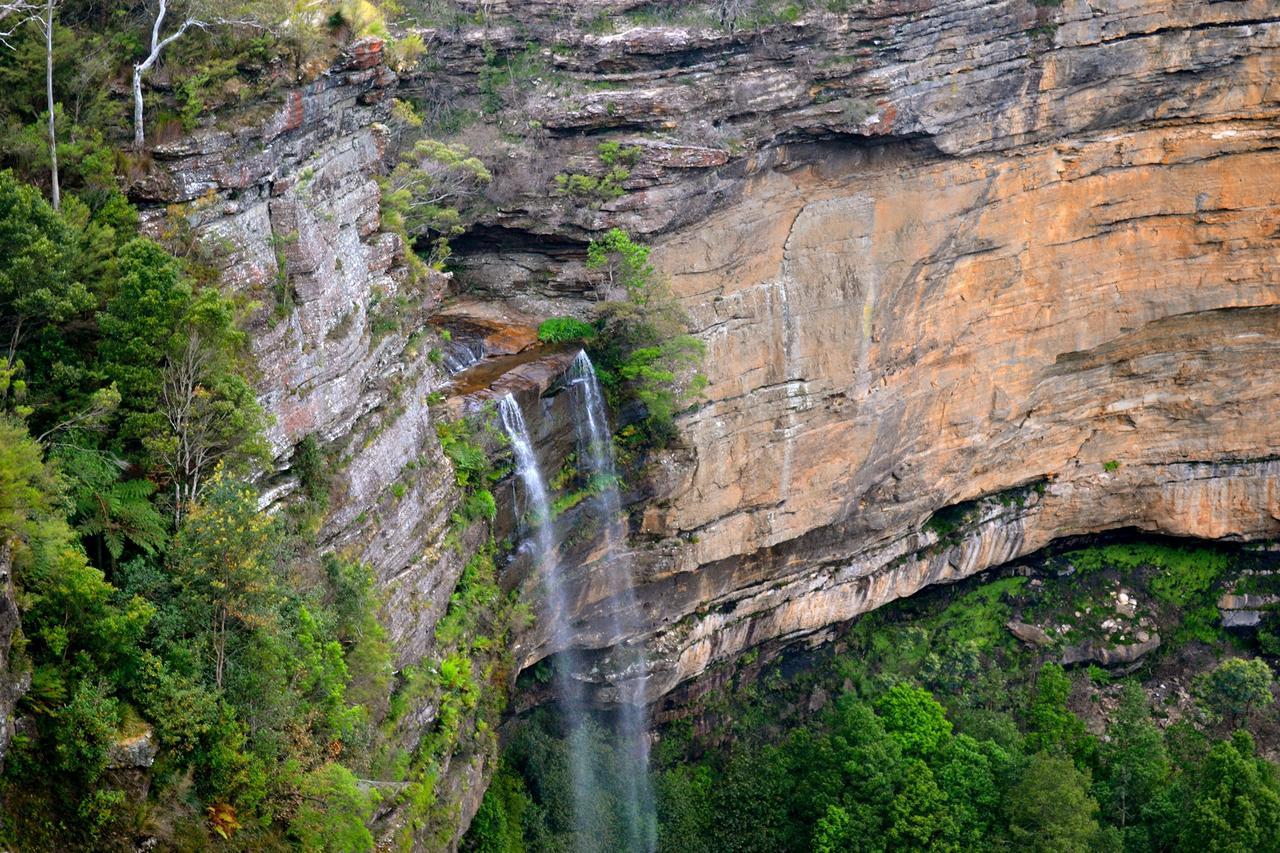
(937,251)
(283,198)
(289,207)
(1011,258)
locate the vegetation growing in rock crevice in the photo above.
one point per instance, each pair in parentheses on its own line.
(638,341)
(616,161)
(423,194)
(467,677)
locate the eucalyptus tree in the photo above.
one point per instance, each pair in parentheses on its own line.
(14,14)
(45,22)
(189,15)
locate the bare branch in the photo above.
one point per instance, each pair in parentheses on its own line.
(158,45)
(25,10)
(16,7)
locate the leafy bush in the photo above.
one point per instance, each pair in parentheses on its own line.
(642,350)
(606,186)
(428,191)
(564,330)
(1236,687)
(312,470)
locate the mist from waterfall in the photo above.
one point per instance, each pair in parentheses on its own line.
(634,796)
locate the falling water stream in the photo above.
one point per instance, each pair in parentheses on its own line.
(595,448)
(459,355)
(536,519)
(595,452)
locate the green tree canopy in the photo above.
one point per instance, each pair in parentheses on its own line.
(1050,809)
(914,718)
(1050,724)
(38,290)
(1232,801)
(1236,687)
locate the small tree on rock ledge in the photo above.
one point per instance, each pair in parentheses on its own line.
(197,14)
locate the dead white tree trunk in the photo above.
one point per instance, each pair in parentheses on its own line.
(157,47)
(27,10)
(56,191)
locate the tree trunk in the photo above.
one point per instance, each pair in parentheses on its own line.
(137,107)
(220,646)
(48,87)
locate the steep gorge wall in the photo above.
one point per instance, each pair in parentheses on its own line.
(290,208)
(283,198)
(937,251)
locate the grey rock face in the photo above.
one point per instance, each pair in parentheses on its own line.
(1109,656)
(12,685)
(1032,635)
(138,751)
(291,207)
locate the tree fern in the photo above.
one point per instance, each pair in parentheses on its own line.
(105,505)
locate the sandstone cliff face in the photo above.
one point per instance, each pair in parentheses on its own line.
(943,254)
(937,251)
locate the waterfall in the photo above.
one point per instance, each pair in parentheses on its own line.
(458,356)
(595,454)
(538,534)
(595,449)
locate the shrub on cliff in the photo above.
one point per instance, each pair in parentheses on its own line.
(565,330)
(177,356)
(642,350)
(428,192)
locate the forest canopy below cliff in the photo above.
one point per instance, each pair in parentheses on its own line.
(930,726)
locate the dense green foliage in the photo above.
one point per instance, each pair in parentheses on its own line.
(426,192)
(565,330)
(153,592)
(1237,687)
(615,161)
(892,774)
(938,731)
(1183,577)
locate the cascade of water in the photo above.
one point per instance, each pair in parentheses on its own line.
(459,356)
(595,444)
(537,521)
